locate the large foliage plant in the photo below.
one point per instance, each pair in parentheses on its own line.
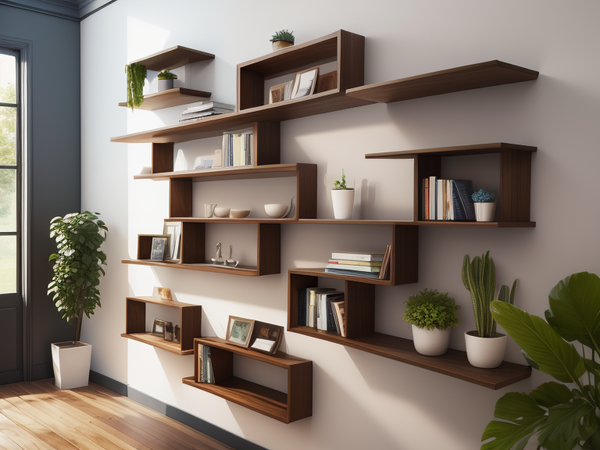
(431,309)
(77,265)
(563,414)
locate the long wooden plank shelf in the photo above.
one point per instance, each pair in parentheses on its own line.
(358,279)
(160,301)
(458,150)
(420,223)
(240,270)
(155,341)
(173,57)
(474,76)
(171,97)
(228,173)
(454,363)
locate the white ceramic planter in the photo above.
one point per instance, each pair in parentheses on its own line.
(431,342)
(487,352)
(484,211)
(343,203)
(164,85)
(71,364)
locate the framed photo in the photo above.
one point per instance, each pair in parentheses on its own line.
(305,82)
(326,82)
(159,245)
(164,293)
(158,328)
(266,337)
(276,93)
(173,230)
(239,331)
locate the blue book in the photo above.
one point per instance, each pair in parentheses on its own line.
(462,201)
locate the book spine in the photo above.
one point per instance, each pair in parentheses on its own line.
(464,190)
(312,309)
(459,213)
(425,199)
(330,319)
(357,256)
(439,206)
(449,207)
(354,267)
(302,307)
(432,195)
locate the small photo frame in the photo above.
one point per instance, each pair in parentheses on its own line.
(159,245)
(326,82)
(173,230)
(276,93)
(158,328)
(305,82)
(266,337)
(239,331)
(164,293)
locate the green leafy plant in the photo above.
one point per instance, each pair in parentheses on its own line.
(136,74)
(167,75)
(482,196)
(562,416)
(283,35)
(77,265)
(479,278)
(431,309)
(341,185)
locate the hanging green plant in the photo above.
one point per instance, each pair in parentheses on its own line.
(136,74)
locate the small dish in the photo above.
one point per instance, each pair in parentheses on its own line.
(276,210)
(239,213)
(221,211)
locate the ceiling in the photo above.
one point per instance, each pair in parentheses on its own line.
(67,9)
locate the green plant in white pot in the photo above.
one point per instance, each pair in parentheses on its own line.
(74,287)
(432,316)
(165,80)
(342,198)
(485,347)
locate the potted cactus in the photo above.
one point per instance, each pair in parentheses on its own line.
(343,199)
(432,316)
(485,206)
(165,80)
(282,39)
(485,347)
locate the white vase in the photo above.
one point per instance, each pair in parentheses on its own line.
(71,363)
(484,211)
(431,342)
(485,352)
(164,85)
(343,203)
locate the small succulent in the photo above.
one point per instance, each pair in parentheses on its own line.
(431,309)
(482,196)
(341,185)
(167,75)
(283,35)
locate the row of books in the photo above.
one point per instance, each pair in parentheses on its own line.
(205,109)
(237,148)
(369,265)
(206,372)
(447,199)
(323,309)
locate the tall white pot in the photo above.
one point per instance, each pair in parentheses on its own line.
(485,352)
(343,203)
(484,211)
(431,342)
(71,363)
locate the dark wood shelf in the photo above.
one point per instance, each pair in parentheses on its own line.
(459,150)
(171,97)
(173,57)
(454,363)
(287,408)
(240,270)
(155,341)
(228,173)
(319,272)
(474,76)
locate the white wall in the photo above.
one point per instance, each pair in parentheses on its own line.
(378,403)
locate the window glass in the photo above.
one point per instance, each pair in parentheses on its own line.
(8,200)
(8,78)
(8,264)
(8,135)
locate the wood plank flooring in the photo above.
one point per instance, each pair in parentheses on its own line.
(38,416)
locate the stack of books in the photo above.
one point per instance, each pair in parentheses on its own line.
(360,264)
(205,367)
(322,309)
(205,109)
(237,148)
(447,199)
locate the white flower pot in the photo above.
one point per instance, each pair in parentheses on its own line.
(484,211)
(485,352)
(164,85)
(431,342)
(71,363)
(343,203)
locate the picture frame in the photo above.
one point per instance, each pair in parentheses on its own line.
(305,82)
(164,293)
(266,337)
(173,250)
(276,93)
(239,331)
(326,82)
(158,328)
(159,245)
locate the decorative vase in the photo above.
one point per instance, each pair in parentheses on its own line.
(164,85)
(343,203)
(431,342)
(278,45)
(71,362)
(484,211)
(485,352)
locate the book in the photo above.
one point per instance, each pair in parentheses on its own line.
(209,105)
(200,352)
(357,256)
(324,321)
(330,313)
(339,308)
(425,200)
(432,196)
(462,201)
(352,273)
(354,267)
(448,204)
(302,307)
(440,210)
(237,148)
(311,310)
(349,262)
(385,268)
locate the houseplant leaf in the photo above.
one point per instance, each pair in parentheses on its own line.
(567,424)
(551,394)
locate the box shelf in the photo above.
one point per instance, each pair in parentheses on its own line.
(173,57)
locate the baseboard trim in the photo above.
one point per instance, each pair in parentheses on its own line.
(194,422)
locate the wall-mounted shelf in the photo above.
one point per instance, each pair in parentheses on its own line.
(190,321)
(295,405)
(474,76)
(173,57)
(171,97)
(360,325)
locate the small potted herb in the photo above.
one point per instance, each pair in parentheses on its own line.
(282,39)
(165,80)
(432,316)
(485,206)
(343,199)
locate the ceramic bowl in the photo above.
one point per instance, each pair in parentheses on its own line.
(239,213)
(276,210)
(221,211)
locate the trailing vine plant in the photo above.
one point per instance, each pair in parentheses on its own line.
(136,74)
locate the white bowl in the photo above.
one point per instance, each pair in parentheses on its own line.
(239,213)
(221,211)
(276,210)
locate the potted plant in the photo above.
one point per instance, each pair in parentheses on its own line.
(485,347)
(282,39)
(562,416)
(485,205)
(165,80)
(432,316)
(343,199)
(136,74)
(77,270)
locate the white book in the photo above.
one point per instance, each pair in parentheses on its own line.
(208,105)
(439,209)
(358,256)
(432,196)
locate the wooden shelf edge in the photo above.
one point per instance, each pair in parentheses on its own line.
(242,172)
(200,267)
(164,346)
(171,97)
(158,301)
(320,272)
(173,57)
(458,150)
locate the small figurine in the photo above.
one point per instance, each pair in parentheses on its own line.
(219,257)
(231,262)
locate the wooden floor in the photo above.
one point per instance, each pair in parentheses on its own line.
(39,416)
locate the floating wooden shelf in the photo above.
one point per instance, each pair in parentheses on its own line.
(173,57)
(171,97)
(474,76)
(190,321)
(295,405)
(420,223)
(202,267)
(319,272)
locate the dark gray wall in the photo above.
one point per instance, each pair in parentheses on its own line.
(55,179)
